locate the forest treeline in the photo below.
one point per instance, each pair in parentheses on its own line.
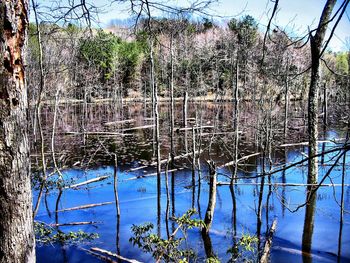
(115,62)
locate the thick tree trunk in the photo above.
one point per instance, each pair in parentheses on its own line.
(316,45)
(16,225)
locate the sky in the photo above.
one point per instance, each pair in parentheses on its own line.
(295,16)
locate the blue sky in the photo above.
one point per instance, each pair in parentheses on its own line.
(294,15)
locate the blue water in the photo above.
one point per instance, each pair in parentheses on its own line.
(138,204)
(138,198)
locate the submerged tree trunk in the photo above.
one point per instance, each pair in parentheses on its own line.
(157,135)
(16,225)
(235,123)
(172,105)
(208,220)
(308,226)
(212,197)
(316,42)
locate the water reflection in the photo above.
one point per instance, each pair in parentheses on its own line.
(247,207)
(309,224)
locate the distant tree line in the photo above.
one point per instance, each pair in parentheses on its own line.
(101,62)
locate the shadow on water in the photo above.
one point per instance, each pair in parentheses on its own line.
(308,225)
(312,234)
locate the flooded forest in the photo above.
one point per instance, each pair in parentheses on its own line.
(182,136)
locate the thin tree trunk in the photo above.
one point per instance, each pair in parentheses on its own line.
(325,105)
(193,166)
(172,125)
(341,221)
(316,45)
(116,197)
(235,122)
(172,106)
(167,198)
(184,116)
(38,112)
(286,104)
(17,242)
(157,138)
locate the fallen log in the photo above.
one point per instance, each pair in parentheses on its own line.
(177,157)
(163,161)
(307,143)
(84,207)
(139,128)
(268,243)
(75,224)
(239,160)
(219,133)
(108,253)
(94,180)
(99,256)
(138,168)
(103,133)
(195,127)
(152,174)
(280,184)
(118,122)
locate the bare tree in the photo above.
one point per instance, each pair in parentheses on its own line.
(316,42)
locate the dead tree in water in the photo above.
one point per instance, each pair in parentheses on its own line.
(208,220)
(38,110)
(316,42)
(157,134)
(235,119)
(115,188)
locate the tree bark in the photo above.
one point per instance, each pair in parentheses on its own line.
(286,104)
(316,46)
(17,242)
(235,121)
(209,215)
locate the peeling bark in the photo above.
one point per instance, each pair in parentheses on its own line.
(16,225)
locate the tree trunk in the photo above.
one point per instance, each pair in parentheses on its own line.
(172,105)
(209,215)
(38,112)
(208,220)
(325,106)
(286,104)
(235,122)
(157,134)
(316,46)
(16,225)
